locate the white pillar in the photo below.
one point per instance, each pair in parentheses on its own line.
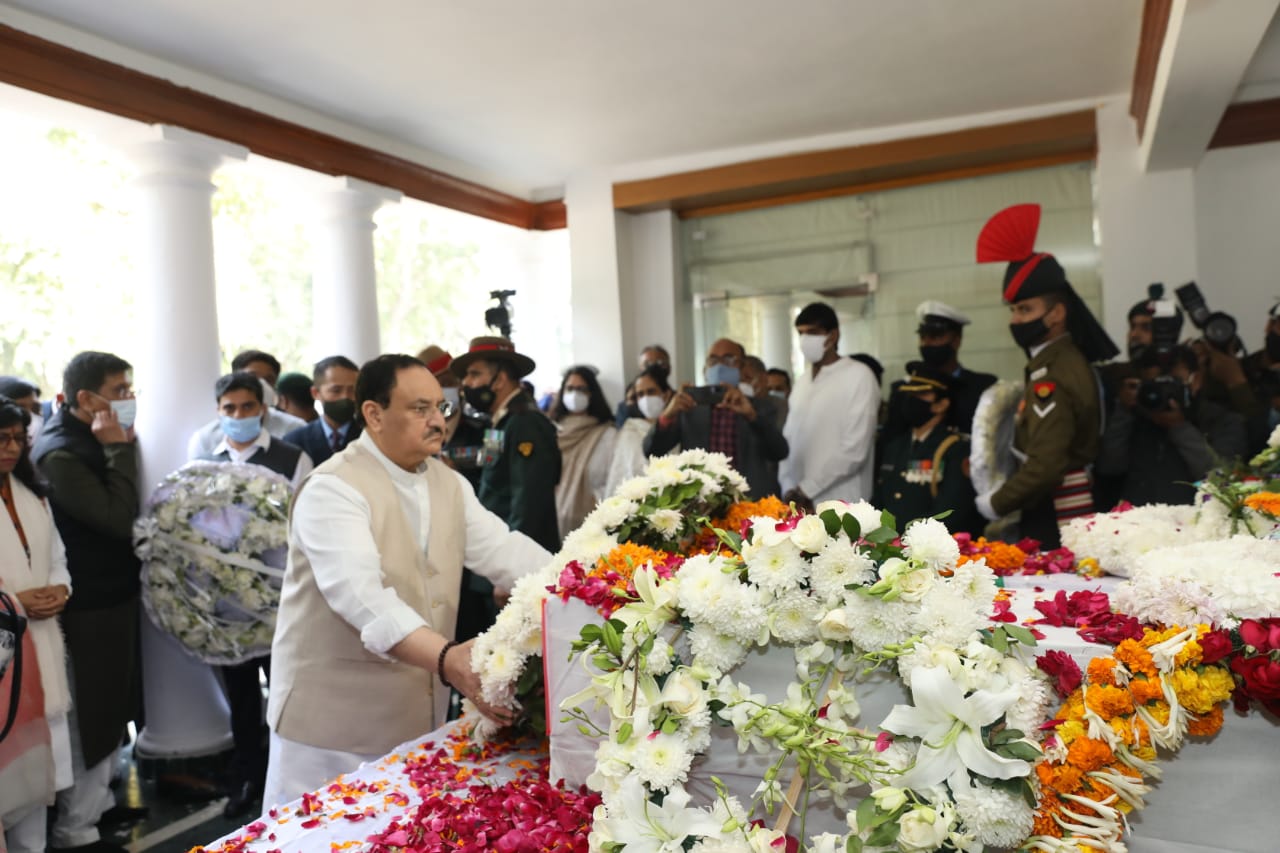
(177,364)
(344,288)
(596,251)
(777,337)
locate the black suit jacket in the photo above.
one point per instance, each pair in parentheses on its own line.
(760,443)
(313,440)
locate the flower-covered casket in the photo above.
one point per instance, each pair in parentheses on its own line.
(725,673)
(213,543)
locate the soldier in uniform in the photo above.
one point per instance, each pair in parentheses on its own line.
(1058,426)
(521,458)
(925,471)
(941,331)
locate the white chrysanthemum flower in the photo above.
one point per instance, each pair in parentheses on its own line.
(838,565)
(793,618)
(612,512)
(874,624)
(929,653)
(715,652)
(776,568)
(949,619)
(658,661)
(976,582)
(587,544)
(662,760)
(1274,440)
(996,818)
(666,521)
(929,543)
(635,489)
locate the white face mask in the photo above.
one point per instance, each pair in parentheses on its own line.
(126,411)
(779,393)
(651,407)
(576,401)
(813,347)
(746,389)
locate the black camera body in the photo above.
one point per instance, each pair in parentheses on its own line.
(1217,327)
(1166,325)
(498,317)
(1156,394)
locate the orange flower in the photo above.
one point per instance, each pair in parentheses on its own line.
(1206,725)
(1109,702)
(1000,556)
(1089,754)
(708,543)
(1267,503)
(1145,690)
(1101,671)
(1050,806)
(1136,658)
(625,559)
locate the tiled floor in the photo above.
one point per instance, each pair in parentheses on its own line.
(178,820)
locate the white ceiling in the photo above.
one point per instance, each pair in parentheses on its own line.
(537,90)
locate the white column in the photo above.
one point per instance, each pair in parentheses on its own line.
(344,287)
(777,336)
(177,364)
(596,251)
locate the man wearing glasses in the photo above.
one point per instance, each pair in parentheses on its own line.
(718,417)
(363,654)
(88,454)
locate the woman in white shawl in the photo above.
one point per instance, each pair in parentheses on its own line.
(33,570)
(652,392)
(586,434)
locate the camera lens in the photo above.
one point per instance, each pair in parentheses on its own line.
(1220,329)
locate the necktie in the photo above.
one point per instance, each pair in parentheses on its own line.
(336,442)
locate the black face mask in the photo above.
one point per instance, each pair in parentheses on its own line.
(1137,351)
(916,411)
(1027,335)
(1273,346)
(481,399)
(339,411)
(937,355)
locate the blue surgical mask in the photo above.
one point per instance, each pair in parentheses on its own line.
(242,430)
(722,374)
(126,411)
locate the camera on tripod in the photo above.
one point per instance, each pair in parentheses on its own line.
(1217,327)
(498,317)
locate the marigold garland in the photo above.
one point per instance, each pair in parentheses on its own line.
(1267,503)
(738,514)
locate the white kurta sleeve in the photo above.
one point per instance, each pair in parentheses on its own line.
(331,524)
(301,470)
(493,550)
(851,414)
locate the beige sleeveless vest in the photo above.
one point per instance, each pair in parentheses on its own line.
(327,689)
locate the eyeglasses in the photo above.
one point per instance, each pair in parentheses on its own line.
(424,410)
(17,438)
(731,360)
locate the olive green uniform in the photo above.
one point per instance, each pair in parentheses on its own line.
(1056,435)
(913,481)
(521,471)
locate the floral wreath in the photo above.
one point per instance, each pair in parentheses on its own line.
(213,541)
(847,596)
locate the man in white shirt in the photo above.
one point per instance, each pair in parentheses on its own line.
(240,414)
(363,654)
(831,427)
(266,367)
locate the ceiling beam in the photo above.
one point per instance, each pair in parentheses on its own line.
(39,65)
(1155,23)
(1071,135)
(1206,50)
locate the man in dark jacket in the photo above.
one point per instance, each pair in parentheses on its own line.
(1164,436)
(521,457)
(334,385)
(720,418)
(88,454)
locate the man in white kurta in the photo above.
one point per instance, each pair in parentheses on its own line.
(831,425)
(378,536)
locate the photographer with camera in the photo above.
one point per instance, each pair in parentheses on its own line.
(718,417)
(1164,433)
(1263,370)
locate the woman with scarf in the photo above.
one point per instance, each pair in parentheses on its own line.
(35,757)
(586,436)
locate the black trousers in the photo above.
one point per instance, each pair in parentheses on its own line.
(248,719)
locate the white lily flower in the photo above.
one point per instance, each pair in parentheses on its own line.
(949,725)
(650,828)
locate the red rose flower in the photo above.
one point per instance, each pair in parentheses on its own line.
(1262,634)
(1260,677)
(1064,671)
(1215,646)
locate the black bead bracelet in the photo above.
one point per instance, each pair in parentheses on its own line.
(444,679)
